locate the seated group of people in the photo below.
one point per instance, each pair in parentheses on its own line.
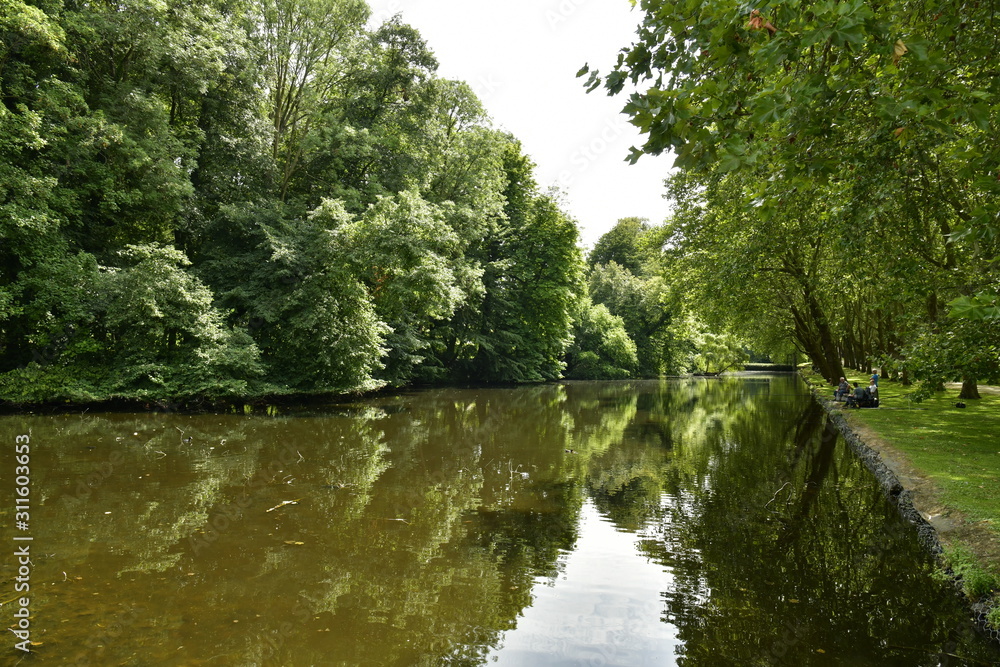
(859,397)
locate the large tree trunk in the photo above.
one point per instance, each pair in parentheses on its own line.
(932,307)
(825,359)
(809,342)
(847,353)
(849,346)
(970,389)
(812,327)
(834,368)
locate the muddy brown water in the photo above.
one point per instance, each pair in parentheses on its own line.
(684,522)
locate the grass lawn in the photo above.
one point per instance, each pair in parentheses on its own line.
(957,449)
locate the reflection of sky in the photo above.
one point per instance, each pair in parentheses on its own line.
(586,617)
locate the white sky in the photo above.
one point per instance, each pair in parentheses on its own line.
(521,58)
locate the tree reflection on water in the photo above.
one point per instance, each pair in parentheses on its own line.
(415,529)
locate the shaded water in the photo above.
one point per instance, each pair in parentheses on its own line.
(715,522)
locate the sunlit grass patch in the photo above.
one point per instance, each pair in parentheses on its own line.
(957,448)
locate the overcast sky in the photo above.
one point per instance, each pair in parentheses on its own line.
(521,58)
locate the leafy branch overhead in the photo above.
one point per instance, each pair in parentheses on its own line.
(838,169)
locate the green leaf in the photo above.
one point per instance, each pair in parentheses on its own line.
(730,162)
(979,307)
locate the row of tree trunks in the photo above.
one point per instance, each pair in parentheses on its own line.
(870,339)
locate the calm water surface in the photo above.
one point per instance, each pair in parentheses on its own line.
(698,523)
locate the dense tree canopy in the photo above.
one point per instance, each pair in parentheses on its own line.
(626,279)
(272,197)
(838,174)
(265,197)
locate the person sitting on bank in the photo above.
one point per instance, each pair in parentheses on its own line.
(842,390)
(859,395)
(873,393)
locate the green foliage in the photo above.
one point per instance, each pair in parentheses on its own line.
(530,295)
(645,305)
(993,617)
(601,349)
(226,199)
(623,245)
(302,43)
(144,328)
(284,279)
(979,307)
(838,180)
(718,352)
(403,252)
(165,335)
(977,582)
(50,340)
(521,274)
(955,350)
(722,76)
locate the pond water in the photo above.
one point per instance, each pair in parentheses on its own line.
(688,522)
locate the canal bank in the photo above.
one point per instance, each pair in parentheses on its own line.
(958,530)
